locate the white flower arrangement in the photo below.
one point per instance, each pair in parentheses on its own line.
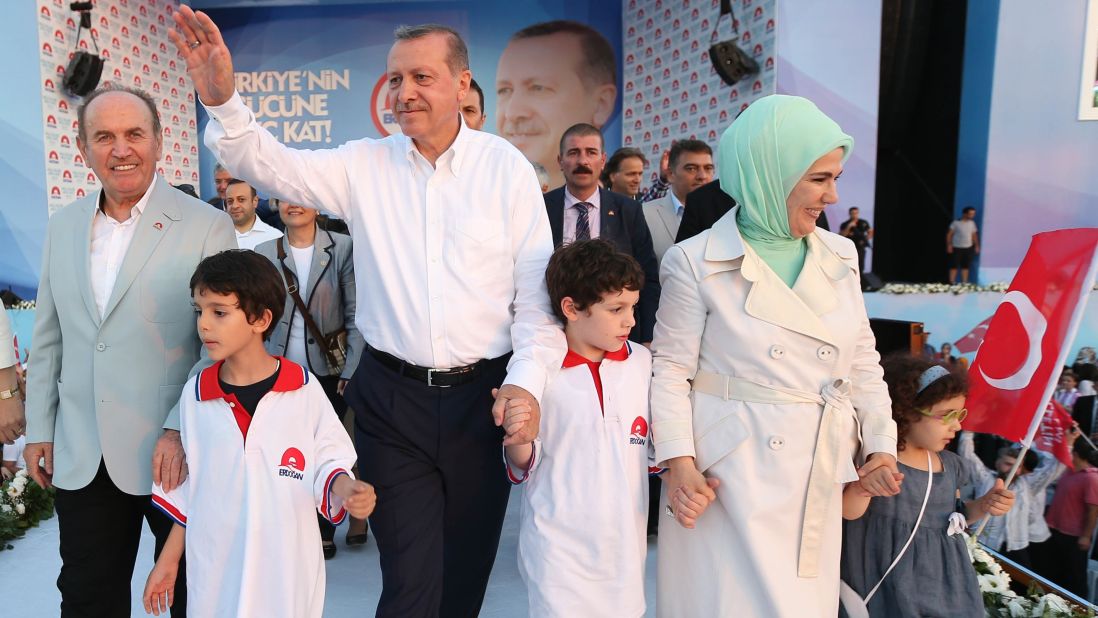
(1000,601)
(22,505)
(23,305)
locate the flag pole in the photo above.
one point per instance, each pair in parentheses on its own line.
(1084,437)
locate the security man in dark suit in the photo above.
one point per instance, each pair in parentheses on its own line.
(581,210)
(708,203)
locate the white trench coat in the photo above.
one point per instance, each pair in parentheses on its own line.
(742,365)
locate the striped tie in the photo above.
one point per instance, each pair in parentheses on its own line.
(583,225)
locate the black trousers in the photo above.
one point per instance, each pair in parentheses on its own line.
(1064,563)
(330,384)
(100,528)
(434,456)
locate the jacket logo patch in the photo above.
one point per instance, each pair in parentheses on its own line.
(639,432)
(293,464)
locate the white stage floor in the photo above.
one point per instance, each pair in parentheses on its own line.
(28,575)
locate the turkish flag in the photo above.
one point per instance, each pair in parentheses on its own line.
(971,342)
(1019,362)
(1051,434)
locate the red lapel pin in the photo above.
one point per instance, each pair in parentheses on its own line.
(158,225)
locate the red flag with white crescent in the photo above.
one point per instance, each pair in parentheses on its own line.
(1051,436)
(971,341)
(1019,362)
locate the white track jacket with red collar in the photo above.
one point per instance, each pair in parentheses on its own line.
(583,532)
(250,502)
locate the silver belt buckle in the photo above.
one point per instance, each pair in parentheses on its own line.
(430,378)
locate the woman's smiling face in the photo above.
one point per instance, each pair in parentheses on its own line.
(813,192)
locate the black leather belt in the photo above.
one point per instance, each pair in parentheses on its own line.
(454,376)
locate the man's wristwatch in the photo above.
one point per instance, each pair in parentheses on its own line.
(9,393)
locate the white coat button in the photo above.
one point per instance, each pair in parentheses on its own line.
(825,353)
(776,443)
(232,405)
(100,346)
(777,352)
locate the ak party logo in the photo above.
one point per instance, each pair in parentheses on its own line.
(293,464)
(638,431)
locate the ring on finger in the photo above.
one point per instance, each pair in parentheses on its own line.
(194,44)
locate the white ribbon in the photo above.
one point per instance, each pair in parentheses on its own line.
(957,524)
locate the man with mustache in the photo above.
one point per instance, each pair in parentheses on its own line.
(450,250)
(551,76)
(581,210)
(241,202)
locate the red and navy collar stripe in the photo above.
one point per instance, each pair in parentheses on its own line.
(572,359)
(291,377)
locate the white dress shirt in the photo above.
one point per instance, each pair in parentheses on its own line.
(679,207)
(571,215)
(110,240)
(260,233)
(303,264)
(449,260)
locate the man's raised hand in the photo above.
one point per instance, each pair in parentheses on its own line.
(208,60)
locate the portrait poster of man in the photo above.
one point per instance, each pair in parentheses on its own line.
(551,76)
(540,71)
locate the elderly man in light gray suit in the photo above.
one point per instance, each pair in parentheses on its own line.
(689,166)
(114,342)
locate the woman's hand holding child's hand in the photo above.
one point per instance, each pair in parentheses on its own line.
(880,476)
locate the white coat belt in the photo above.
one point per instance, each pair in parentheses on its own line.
(835,399)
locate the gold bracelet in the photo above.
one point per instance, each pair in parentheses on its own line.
(9,393)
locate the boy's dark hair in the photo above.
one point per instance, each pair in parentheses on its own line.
(250,276)
(968,208)
(901,374)
(586,270)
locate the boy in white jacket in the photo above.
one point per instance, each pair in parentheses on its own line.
(583,534)
(264,452)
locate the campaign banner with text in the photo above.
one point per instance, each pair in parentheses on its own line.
(315,76)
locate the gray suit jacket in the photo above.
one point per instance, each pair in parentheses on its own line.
(662,222)
(106,388)
(329,295)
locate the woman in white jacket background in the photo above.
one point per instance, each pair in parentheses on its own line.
(767,385)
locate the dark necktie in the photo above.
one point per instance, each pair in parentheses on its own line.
(583,224)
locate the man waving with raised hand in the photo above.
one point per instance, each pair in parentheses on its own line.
(450,246)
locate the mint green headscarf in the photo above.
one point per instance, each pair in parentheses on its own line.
(763,154)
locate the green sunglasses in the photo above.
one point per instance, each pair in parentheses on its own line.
(948,417)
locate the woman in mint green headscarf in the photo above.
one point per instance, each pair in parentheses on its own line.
(767,388)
